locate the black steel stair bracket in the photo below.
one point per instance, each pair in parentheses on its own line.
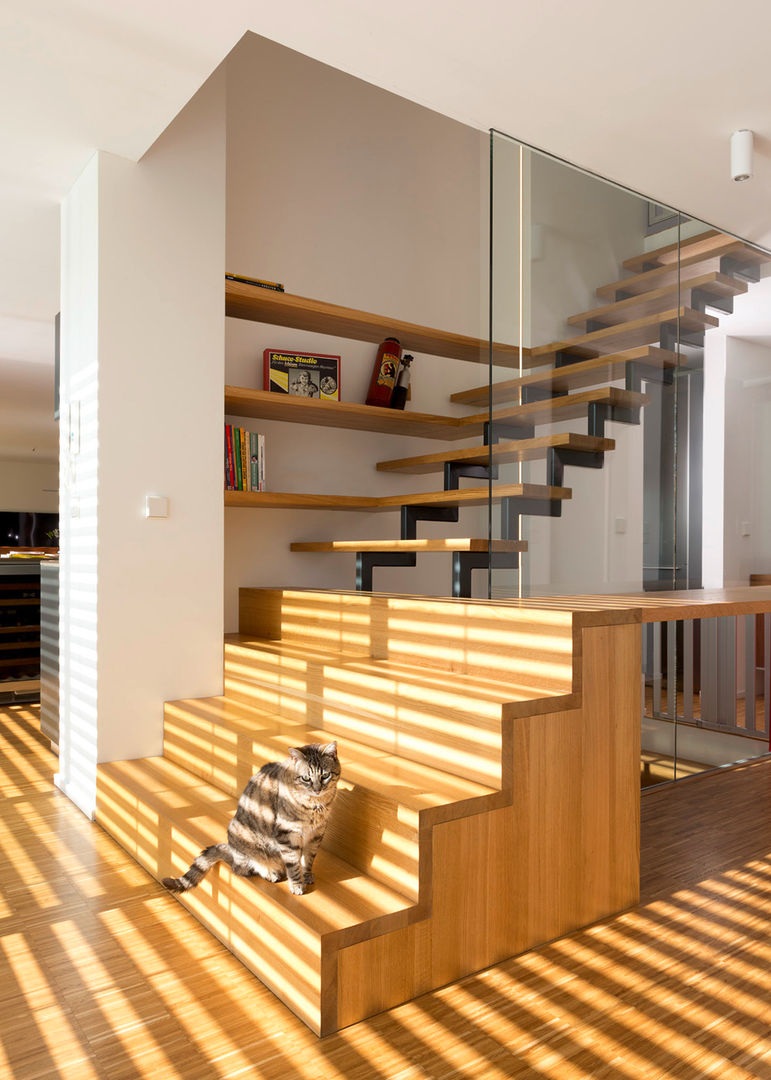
(557,458)
(672,335)
(366,561)
(453,470)
(701,299)
(496,430)
(564,357)
(411,515)
(463,562)
(514,506)
(732,267)
(540,393)
(598,412)
(636,374)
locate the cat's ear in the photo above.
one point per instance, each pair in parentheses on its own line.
(296,753)
(330,750)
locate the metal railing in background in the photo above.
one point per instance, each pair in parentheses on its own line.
(706,694)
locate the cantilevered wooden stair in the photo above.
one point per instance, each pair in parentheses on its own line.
(446,830)
(631,338)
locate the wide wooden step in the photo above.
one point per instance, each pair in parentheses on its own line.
(472,496)
(558,409)
(163,815)
(573,376)
(710,240)
(376,821)
(387,705)
(629,335)
(508,644)
(714,285)
(501,453)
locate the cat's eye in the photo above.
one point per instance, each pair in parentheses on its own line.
(325,777)
(304,779)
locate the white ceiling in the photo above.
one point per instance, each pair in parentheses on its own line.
(647,95)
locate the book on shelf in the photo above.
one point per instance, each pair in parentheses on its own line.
(244,459)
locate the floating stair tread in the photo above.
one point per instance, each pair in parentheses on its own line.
(567,407)
(342,898)
(701,261)
(502,452)
(413,785)
(649,303)
(477,496)
(449,544)
(243,301)
(264,405)
(708,243)
(705,241)
(627,335)
(572,376)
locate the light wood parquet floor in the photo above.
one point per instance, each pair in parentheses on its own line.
(104,975)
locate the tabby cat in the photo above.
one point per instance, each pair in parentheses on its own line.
(279,821)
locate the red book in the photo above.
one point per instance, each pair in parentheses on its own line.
(230,472)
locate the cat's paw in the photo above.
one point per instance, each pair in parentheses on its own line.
(296,887)
(308,877)
(274,876)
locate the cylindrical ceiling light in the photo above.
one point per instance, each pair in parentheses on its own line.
(741,155)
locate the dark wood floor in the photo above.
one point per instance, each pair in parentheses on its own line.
(103,975)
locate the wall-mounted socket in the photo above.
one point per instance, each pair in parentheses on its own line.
(156,506)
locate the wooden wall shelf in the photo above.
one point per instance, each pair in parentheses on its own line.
(244,301)
(264,405)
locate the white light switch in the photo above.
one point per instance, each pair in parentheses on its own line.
(620,525)
(156,506)
(746,528)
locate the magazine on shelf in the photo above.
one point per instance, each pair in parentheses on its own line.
(244,459)
(301,374)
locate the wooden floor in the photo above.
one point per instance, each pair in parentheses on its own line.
(104,975)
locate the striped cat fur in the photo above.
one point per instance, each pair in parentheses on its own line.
(279,822)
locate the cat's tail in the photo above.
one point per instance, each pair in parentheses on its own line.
(208,857)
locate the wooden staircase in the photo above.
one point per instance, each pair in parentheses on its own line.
(631,339)
(488,800)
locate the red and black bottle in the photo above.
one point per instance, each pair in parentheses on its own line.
(383,379)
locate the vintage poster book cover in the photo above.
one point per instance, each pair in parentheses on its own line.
(312,375)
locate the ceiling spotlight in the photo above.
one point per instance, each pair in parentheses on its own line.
(741,155)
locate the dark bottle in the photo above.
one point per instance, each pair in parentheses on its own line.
(383,379)
(399,396)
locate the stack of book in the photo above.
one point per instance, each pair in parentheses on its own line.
(244,460)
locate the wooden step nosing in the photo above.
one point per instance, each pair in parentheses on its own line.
(687,316)
(537,446)
(460,497)
(446,546)
(713,283)
(606,395)
(651,355)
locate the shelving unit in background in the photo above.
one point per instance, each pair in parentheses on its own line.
(19,629)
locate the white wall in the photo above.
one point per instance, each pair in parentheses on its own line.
(142,364)
(29,485)
(349,194)
(747,519)
(737,447)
